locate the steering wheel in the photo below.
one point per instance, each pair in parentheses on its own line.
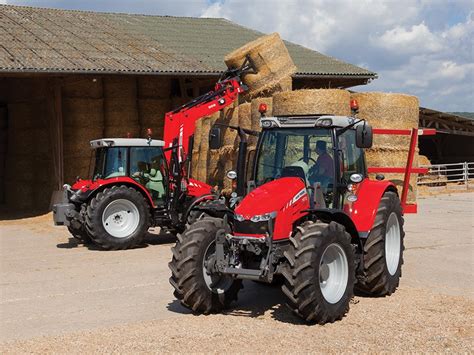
(314,161)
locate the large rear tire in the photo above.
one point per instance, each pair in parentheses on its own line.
(117,218)
(383,249)
(194,284)
(320,277)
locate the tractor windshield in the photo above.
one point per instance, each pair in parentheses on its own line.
(292,150)
(110,162)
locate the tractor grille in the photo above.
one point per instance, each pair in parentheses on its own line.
(249,227)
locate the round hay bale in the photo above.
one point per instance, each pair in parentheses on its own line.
(195,163)
(120,87)
(201,170)
(271,59)
(34,141)
(318,101)
(151,112)
(27,115)
(154,86)
(392,157)
(423,160)
(75,166)
(214,167)
(83,112)
(77,141)
(18,195)
(120,111)
(27,168)
(122,131)
(197,134)
(387,110)
(230,116)
(82,87)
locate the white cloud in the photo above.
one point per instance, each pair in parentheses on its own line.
(421,47)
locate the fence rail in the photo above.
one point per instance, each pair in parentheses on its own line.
(442,174)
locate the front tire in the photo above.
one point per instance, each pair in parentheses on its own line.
(117,218)
(320,277)
(195,285)
(78,230)
(383,249)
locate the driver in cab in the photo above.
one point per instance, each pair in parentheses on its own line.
(323,170)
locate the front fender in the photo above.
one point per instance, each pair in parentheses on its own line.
(91,188)
(363,211)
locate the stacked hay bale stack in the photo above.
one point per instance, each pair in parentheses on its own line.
(397,111)
(3,148)
(274,70)
(201,171)
(120,107)
(153,103)
(83,121)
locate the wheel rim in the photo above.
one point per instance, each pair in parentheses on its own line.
(120,218)
(333,273)
(216,283)
(392,244)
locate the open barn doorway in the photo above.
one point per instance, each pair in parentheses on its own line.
(3,149)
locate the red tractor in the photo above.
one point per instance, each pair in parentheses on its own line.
(141,182)
(310,217)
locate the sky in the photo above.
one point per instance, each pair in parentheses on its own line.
(419,47)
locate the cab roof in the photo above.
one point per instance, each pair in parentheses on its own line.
(126,142)
(307,121)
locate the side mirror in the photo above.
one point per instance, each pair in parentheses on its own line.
(215,138)
(364,136)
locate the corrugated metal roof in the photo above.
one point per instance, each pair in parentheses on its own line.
(51,40)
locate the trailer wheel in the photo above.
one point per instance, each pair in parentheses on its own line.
(195,285)
(320,274)
(117,218)
(383,249)
(78,230)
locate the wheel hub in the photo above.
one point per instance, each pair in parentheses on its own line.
(333,273)
(120,218)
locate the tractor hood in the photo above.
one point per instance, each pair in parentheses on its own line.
(272,196)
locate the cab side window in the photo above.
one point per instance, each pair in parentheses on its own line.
(352,156)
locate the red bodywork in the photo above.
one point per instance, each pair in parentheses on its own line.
(286,196)
(181,123)
(289,198)
(93,185)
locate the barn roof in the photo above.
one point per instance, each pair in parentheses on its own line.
(51,41)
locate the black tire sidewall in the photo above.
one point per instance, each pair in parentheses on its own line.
(105,239)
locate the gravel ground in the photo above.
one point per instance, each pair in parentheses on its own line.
(409,320)
(56,297)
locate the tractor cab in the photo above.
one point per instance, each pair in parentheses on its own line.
(137,158)
(324,151)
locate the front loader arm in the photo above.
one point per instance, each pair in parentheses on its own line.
(180,123)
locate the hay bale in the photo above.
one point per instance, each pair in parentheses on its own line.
(118,111)
(271,59)
(423,160)
(318,101)
(197,134)
(34,141)
(120,87)
(3,140)
(154,87)
(229,116)
(255,114)
(201,168)
(392,157)
(27,115)
(27,168)
(387,110)
(82,87)
(77,141)
(194,163)
(79,112)
(151,114)
(122,131)
(75,166)
(18,195)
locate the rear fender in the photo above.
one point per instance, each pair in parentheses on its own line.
(90,190)
(362,212)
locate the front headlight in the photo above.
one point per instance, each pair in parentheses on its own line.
(239,217)
(263,217)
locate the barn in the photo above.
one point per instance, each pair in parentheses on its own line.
(67,77)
